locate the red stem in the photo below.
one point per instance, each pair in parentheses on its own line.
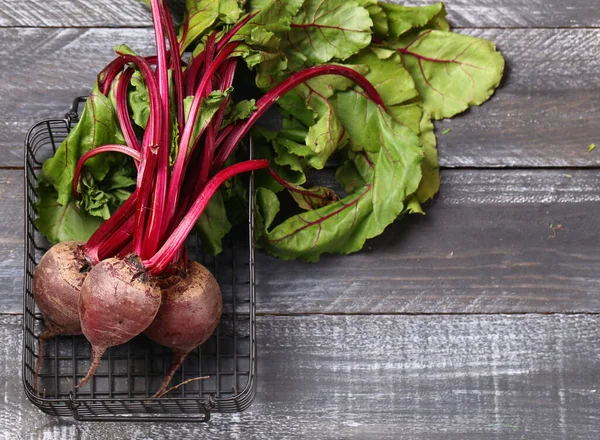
(161,259)
(191,73)
(184,145)
(118,240)
(123,110)
(127,249)
(208,60)
(175,63)
(151,141)
(154,230)
(210,140)
(108,75)
(106,229)
(281,89)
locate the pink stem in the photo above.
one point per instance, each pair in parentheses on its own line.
(155,219)
(210,141)
(191,73)
(175,63)
(108,75)
(118,240)
(127,249)
(161,259)
(151,141)
(179,169)
(123,110)
(106,229)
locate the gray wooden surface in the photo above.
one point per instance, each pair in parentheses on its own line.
(477,321)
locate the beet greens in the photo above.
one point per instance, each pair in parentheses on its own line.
(158,148)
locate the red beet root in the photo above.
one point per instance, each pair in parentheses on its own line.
(117,302)
(190,311)
(57,283)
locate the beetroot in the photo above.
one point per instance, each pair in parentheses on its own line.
(189,313)
(117,302)
(57,282)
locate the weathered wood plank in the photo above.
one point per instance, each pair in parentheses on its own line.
(544,115)
(485,247)
(381,377)
(463,13)
(44,69)
(66,13)
(11,241)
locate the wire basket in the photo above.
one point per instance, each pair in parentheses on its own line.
(129,374)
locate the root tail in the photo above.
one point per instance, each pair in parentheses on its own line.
(178,358)
(48,333)
(97,353)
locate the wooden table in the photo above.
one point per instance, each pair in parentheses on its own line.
(478,321)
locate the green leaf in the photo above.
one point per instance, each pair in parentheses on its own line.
(274,16)
(380,21)
(408,115)
(266,207)
(261,50)
(348,175)
(280,154)
(58,222)
(230,11)
(97,126)
(201,15)
(393,82)
(312,198)
(391,172)
(208,107)
(139,100)
(213,224)
(591,148)
(101,199)
(380,24)
(401,18)
(451,71)
(125,50)
(327,29)
(240,111)
(310,103)
(430,167)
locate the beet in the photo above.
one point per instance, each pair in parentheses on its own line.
(190,311)
(118,301)
(57,282)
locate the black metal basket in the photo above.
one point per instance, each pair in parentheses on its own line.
(129,374)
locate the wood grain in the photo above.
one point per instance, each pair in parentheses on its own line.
(380,377)
(486,246)
(11,241)
(544,115)
(463,13)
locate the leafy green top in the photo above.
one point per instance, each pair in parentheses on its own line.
(386,159)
